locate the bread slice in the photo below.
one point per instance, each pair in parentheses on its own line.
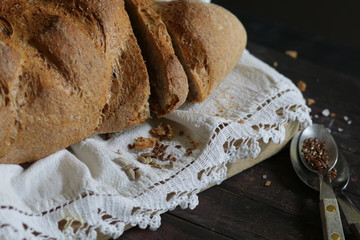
(169,84)
(208,40)
(128,104)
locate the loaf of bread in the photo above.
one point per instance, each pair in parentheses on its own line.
(71,69)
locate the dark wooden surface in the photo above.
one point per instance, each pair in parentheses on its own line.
(241,207)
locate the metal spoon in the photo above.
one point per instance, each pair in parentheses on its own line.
(319,132)
(331,221)
(341,181)
(339,184)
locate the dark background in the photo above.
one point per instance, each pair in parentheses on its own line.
(325,32)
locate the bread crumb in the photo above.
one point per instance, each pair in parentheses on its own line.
(310,101)
(291,53)
(301,85)
(219,115)
(142,143)
(332,114)
(163,131)
(267,183)
(346,118)
(241,122)
(275,64)
(340,130)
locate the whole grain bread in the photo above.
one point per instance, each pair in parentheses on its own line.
(57,60)
(168,81)
(128,104)
(208,40)
(71,69)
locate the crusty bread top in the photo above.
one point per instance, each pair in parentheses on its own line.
(208,40)
(169,84)
(56,59)
(70,69)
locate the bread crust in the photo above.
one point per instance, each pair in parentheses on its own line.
(168,80)
(70,69)
(56,84)
(208,40)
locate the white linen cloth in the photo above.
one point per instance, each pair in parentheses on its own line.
(86,188)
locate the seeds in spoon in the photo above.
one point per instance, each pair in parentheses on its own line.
(317,156)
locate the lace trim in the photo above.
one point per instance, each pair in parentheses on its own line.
(111,225)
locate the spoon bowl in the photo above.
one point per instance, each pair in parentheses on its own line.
(319,132)
(311,178)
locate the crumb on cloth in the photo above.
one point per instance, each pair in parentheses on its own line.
(142,143)
(163,131)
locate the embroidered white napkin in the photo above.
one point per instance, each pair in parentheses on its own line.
(87,187)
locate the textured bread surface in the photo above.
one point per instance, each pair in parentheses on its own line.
(168,80)
(128,105)
(208,40)
(56,67)
(70,69)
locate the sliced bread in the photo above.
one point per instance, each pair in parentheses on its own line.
(208,40)
(168,81)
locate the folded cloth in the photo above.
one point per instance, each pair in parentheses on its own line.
(106,182)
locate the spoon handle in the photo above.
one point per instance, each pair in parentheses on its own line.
(331,221)
(351,213)
(330,213)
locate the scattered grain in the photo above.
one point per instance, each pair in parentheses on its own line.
(301,85)
(163,131)
(188,152)
(138,173)
(267,183)
(275,64)
(142,143)
(130,173)
(310,101)
(142,160)
(146,155)
(292,53)
(332,173)
(126,167)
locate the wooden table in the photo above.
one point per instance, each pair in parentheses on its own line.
(242,207)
